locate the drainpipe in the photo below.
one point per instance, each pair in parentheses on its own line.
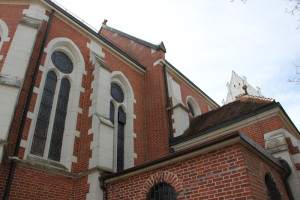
(103,187)
(285,175)
(168,105)
(17,147)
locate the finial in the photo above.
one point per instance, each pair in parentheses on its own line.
(245,88)
(104,21)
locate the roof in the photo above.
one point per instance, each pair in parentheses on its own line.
(247,104)
(80,23)
(143,42)
(189,153)
(193,84)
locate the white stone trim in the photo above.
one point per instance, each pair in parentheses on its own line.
(194,104)
(36,12)
(128,106)
(69,48)
(3,34)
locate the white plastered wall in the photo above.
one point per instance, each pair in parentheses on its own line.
(180,111)
(275,143)
(72,51)
(16,63)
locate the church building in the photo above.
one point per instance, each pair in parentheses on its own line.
(102,115)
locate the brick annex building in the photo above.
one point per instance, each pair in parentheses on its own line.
(87,115)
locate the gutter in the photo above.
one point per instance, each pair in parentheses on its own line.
(230,138)
(19,137)
(184,138)
(285,175)
(52,4)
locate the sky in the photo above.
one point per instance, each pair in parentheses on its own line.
(208,39)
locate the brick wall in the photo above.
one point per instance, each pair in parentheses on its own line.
(228,173)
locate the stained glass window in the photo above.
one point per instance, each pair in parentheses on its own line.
(117,93)
(59,120)
(42,124)
(161,191)
(62,62)
(112,112)
(120,141)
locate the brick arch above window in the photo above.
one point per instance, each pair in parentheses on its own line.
(166,176)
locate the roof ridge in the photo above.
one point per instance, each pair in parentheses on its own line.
(241,96)
(138,40)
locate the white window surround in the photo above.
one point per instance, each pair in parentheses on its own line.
(3,35)
(68,47)
(127,105)
(194,105)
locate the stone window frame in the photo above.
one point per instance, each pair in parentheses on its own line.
(127,105)
(68,47)
(3,35)
(197,111)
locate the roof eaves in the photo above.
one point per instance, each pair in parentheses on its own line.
(193,149)
(94,33)
(138,40)
(193,84)
(183,138)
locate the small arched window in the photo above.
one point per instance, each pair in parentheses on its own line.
(162,191)
(192,110)
(47,142)
(273,191)
(117,95)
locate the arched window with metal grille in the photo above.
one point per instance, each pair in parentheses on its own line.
(273,191)
(162,191)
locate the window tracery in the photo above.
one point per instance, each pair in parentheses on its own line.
(50,123)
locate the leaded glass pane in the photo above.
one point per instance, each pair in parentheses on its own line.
(62,62)
(42,124)
(120,142)
(59,120)
(116,93)
(112,112)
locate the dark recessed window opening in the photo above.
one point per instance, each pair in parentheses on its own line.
(273,191)
(161,191)
(117,93)
(191,109)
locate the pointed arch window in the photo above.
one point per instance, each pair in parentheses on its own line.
(118,98)
(47,142)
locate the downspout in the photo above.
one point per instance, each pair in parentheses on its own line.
(103,187)
(285,175)
(168,106)
(17,147)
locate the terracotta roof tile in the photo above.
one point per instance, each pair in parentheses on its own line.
(243,106)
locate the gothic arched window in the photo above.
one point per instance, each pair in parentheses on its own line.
(50,123)
(162,191)
(118,98)
(273,191)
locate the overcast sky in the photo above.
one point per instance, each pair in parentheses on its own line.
(207,39)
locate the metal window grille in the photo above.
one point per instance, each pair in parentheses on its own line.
(273,191)
(162,191)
